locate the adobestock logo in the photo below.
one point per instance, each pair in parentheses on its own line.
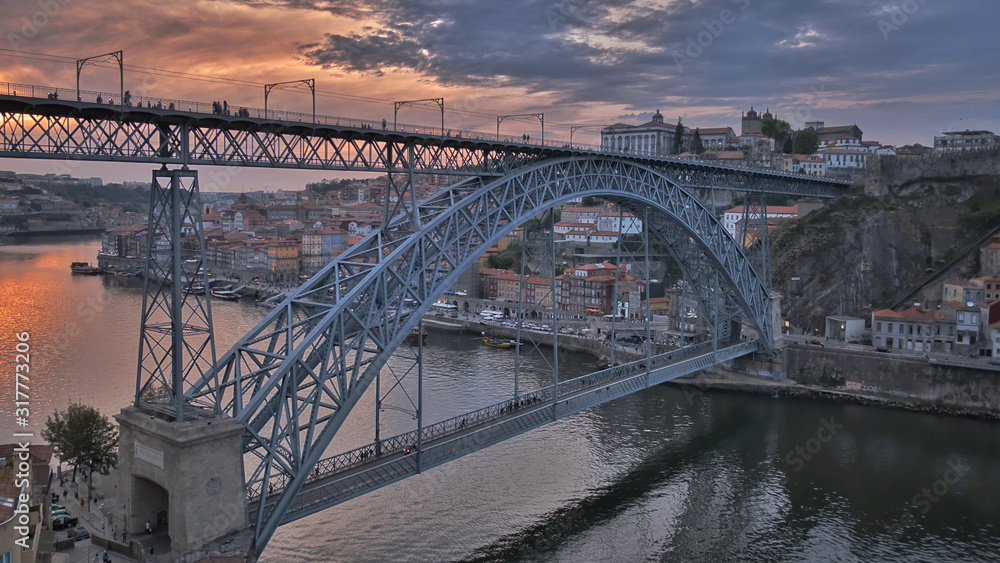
(827,431)
(696,44)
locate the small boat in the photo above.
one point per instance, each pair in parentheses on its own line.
(85,268)
(225,294)
(498,342)
(195,288)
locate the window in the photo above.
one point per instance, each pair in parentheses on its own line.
(889,328)
(878,327)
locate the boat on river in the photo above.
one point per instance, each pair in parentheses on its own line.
(498,342)
(225,294)
(85,268)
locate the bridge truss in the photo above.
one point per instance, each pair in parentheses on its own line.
(66,130)
(293,380)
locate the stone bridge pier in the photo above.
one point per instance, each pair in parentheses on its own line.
(184,478)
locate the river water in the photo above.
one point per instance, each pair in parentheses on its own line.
(662,475)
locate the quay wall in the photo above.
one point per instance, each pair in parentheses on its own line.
(894,376)
(812,372)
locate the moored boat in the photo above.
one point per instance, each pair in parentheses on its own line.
(498,342)
(85,268)
(225,294)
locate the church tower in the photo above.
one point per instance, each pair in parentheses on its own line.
(753,123)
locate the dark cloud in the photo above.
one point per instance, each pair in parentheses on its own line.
(587,61)
(711,53)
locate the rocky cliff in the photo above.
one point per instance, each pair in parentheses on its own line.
(912,220)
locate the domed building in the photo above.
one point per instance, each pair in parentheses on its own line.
(753,123)
(653,138)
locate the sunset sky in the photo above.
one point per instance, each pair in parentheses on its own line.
(902,70)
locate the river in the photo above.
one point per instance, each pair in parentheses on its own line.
(661,475)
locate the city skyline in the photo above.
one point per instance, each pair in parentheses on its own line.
(903,71)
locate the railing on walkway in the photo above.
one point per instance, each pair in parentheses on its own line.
(468,432)
(235,112)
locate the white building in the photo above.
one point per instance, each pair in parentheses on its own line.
(812,164)
(962,141)
(717,138)
(732,216)
(653,138)
(609,221)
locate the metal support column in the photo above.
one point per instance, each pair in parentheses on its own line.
(176,342)
(649,307)
(420,391)
(555,308)
(519,316)
(555,328)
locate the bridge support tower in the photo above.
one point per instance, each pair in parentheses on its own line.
(185,478)
(180,463)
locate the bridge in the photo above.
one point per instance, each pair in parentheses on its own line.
(280,395)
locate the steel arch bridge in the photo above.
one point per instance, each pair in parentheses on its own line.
(293,380)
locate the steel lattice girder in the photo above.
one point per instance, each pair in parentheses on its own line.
(66,130)
(176,342)
(295,377)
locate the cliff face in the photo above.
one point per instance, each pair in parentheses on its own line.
(863,251)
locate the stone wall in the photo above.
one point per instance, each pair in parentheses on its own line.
(886,174)
(893,376)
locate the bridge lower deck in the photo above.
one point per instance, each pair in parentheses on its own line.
(354,473)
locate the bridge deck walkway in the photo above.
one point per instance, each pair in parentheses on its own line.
(351,474)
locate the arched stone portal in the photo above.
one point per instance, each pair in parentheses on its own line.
(185,476)
(150,503)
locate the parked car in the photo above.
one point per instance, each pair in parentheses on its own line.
(59,512)
(882,349)
(63,521)
(79,534)
(816,342)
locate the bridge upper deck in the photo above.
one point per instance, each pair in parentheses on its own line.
(159,131)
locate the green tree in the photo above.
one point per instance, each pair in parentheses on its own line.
(83,437)
(678,137)
(507,259)
(806,142)
(696,145)
(777,129)
(588,201)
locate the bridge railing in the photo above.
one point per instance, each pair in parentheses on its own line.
(113,99)
(492,431)
(407,441)
(152,103)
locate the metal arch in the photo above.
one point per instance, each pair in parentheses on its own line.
(295,377)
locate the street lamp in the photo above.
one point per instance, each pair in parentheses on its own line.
(539,116)
(575,128)
(310,82)
(117,56)
(397,105)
